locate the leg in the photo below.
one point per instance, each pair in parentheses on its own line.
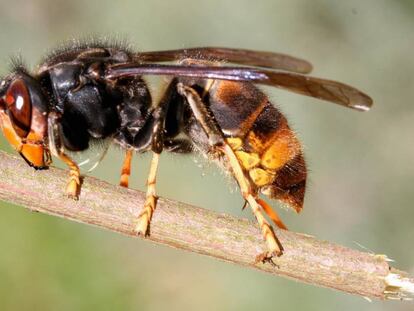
(156,138)
(182,146)
(202,114)
(272,214)
(74,185)
(151,199)
(56,148)
(217,141)
(126,169)
(273,245)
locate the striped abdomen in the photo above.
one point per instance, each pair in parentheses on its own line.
(266,147)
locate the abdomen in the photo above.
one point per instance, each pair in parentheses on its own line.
(266,147)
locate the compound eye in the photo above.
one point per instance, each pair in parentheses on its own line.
(19,107)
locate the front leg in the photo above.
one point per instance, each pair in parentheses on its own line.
(218,142)
(55,145)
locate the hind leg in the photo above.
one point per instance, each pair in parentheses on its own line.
(218,143)
(273,244)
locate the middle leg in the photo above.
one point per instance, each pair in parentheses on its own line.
(145,216)
(156,145)
(126,169)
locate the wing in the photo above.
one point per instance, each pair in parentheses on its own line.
(328,90)
(237,56)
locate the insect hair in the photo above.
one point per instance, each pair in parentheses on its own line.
(88,42)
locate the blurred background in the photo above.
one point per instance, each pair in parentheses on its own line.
(361,176)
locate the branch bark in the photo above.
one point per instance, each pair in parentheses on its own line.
(179,225)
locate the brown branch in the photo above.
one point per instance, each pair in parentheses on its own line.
(176,224)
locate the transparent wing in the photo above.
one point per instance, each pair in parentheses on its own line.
(89,159)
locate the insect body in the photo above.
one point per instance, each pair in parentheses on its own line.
(90,93)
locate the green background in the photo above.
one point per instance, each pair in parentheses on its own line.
(361,165)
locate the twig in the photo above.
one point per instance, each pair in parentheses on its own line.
(176,224)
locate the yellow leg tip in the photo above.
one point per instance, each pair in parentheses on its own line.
(141,228)
(274,250)
(144,219)
(72,190)
(273,246)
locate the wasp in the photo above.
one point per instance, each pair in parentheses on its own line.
(211,103)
